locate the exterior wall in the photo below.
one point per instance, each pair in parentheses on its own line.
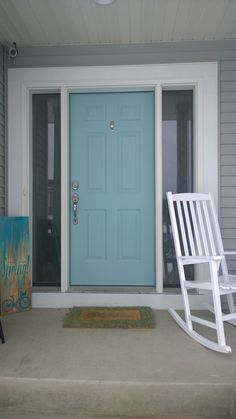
(224,52)
(228,156)
(3,198)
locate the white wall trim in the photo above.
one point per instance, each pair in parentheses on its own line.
(64,190)
(158,187)
(155,301)
(22,81)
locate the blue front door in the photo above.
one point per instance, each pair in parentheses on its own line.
(112,158)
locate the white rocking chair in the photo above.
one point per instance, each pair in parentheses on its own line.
(197,240)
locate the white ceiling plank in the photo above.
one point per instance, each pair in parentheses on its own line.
(123,18)
(59,28)
(227,27)
(42,9)
(69,21)
(209,18)
(88,31)
(6,32)
(215,12)
(221,20)
(113,23)
(181,20)
(170,18)
(196,15)
(187,19)
(158,20)
(135,17)
(74,22)
(106,22)
(199,26)
(11,17)
(62,22)
(30,21)
(88,18)
(147,13)
(98,20)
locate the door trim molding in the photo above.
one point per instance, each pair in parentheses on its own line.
(202,77)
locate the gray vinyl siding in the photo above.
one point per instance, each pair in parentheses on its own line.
(2,134)
(228,156)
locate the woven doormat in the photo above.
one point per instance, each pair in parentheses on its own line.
(109,317)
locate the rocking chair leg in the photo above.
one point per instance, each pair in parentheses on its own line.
(1,333)
(217,306)
(232,308)
(230,300)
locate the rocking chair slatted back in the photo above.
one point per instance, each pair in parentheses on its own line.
(202,229)
(195,222)
(182,227)
(195,226)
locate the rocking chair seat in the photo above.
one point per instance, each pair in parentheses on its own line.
(228,282)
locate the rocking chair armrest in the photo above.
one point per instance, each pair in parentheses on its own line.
(192,260)
(230,252)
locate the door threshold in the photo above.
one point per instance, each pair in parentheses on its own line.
(111,289)
(46,288)
(103,289)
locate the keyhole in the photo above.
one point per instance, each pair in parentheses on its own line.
(112,125)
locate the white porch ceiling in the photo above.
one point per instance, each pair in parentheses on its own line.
(82,22)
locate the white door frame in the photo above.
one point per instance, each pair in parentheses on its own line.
(202,77)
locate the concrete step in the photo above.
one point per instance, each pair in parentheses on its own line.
(31,398)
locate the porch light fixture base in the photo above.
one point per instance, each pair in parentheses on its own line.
(104,2)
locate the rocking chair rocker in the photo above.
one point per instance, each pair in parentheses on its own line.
(197,240)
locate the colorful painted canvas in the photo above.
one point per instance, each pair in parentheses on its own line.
(15,270)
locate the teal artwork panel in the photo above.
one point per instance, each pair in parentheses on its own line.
(15,270)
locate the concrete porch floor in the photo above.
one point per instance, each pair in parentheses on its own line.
(38,353)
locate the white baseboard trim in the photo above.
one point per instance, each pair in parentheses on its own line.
(155,301)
